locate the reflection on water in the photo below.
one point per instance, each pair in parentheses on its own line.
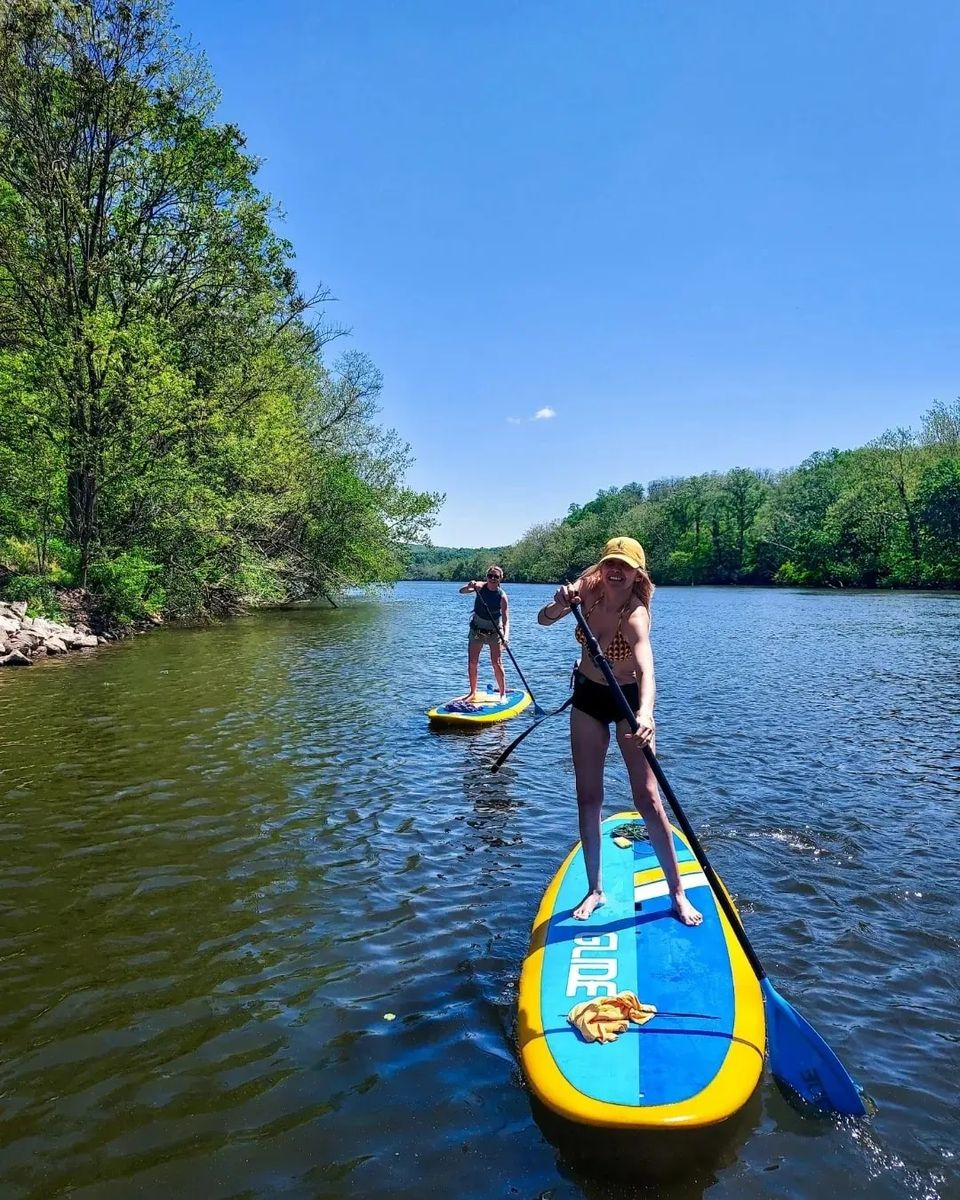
(229,854)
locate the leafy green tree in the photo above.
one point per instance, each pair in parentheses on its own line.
(941,426)
(153,340)
(897,465)
(938,506)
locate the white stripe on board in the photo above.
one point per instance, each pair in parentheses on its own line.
(647,891)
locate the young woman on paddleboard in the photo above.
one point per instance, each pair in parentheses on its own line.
(615,597)
(489,621)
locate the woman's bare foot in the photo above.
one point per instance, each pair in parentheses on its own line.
(588,906)
(685,911)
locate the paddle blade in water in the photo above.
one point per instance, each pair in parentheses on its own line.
(803,1063)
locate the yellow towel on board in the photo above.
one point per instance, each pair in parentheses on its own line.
(605,1019)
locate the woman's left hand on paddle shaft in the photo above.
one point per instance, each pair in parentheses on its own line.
(648,727)
(566,595)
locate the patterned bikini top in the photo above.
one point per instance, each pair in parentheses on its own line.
(618,650)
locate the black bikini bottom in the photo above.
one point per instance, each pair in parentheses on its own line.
(597,701)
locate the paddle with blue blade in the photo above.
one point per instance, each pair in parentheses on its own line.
(537,710)
(800,1060)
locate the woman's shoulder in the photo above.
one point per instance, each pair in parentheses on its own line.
(637,613)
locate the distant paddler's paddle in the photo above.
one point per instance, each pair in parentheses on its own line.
(537,710)
(799,1057)
(504,755)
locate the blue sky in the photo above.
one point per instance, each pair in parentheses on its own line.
(701,234)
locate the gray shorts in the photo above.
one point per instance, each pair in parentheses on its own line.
(483,631)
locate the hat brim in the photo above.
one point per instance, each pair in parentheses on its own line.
(635,564)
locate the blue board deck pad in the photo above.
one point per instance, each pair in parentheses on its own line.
(698,1060)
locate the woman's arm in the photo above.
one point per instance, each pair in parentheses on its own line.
(637,633)
(505,614)
(559,606)
(469,587)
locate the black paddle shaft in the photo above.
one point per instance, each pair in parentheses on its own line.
(496,625)
(593,646)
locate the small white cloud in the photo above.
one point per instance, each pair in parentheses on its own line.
(542,414)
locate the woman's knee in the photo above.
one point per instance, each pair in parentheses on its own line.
(648,802)
(589,799)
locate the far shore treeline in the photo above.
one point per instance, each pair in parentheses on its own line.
(172,435)
(884,515)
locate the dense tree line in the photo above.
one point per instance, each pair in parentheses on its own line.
(884,515)
(171,433)
(448,562)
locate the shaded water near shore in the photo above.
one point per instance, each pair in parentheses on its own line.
(227,854)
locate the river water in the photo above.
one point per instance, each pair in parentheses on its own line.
(228,856)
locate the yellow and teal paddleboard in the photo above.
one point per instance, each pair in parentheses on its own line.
(486,708)
(698,1060)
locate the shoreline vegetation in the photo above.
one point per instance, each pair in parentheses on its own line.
(175,441)
(886,515)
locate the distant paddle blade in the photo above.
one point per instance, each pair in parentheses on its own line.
(803,1062)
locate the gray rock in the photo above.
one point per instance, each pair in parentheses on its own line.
(9,624)
(15,659)
(55,646)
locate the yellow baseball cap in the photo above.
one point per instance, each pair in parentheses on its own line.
(628,550)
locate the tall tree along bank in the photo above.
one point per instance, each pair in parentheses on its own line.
(170,431)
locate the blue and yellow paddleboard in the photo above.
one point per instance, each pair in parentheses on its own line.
(487,708)
(698,1061)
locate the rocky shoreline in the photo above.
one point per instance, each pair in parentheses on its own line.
(25,639)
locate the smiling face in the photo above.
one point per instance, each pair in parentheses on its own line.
(493,577)
(617,574)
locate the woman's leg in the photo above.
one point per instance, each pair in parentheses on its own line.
(589,740)
(646,797)
(473,657)
(496,657)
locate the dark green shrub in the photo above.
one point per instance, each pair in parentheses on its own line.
(126,586)
(38,592)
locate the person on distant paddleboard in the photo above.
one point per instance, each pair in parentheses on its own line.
(615,596)
(489,622)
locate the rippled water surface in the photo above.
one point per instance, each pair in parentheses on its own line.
(226,855)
